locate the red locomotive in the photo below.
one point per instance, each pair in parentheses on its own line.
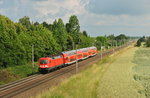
(65,58)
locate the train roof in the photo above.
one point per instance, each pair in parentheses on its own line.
(93,47)
(72,51)
(82,49)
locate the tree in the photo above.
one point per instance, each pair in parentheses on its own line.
(111,37)
(69,42)
(44,42)
(73,28)
(45,24)
(101,41)
(60,33)
(139,43)
(25,21)
(148,42)
(85,33)
(36,23)
(143,39)
(121,37)
(48,26)
(85,41)
(10,46)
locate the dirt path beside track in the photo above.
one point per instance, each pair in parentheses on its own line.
(118,81)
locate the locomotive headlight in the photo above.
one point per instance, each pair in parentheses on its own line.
(46,65)
(41,65)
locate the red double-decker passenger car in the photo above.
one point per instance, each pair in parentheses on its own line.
(65,58)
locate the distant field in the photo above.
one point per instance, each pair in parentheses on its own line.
(142,69)
(112,78)
(118,81)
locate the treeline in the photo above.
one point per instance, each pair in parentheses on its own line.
(144,40)
(110,41)
(17,39)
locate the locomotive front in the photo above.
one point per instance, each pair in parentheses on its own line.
(44,64)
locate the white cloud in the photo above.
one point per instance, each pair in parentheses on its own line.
(62,9)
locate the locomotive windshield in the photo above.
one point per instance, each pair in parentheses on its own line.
(43,61)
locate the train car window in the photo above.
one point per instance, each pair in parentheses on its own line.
(71,53)
(84,50)
(67,58)
(79,54)
(61,56)
(43,61)
(56,57)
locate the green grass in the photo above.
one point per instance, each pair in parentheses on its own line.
(81,85)
(142,60)
(16,72)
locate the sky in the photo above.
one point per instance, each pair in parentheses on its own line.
(97,17)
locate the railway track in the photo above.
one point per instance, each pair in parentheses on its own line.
(17,87)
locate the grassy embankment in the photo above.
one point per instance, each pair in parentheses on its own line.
(15,73)
(142,60)
(83,84)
